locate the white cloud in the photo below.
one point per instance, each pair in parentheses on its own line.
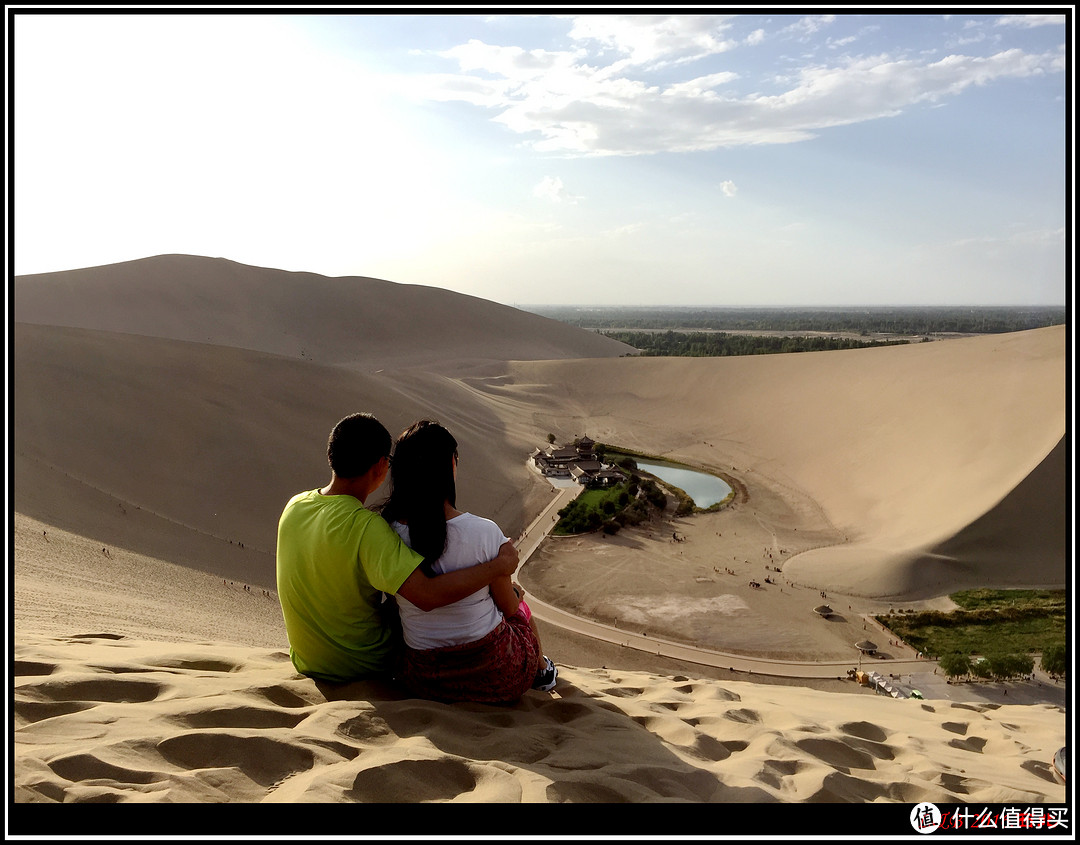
(656,39)
(514,63)
(807,26)
(701,86)
(1029,21)
(592,104)
(729,188)
(1027,237)
(871,88)
(626,230)
(552,188)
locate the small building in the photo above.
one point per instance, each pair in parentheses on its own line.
(585,467)
(555,461)
(578,462)
(609,476)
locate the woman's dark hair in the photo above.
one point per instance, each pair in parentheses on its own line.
(421,481)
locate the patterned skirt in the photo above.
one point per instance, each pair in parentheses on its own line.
(496,669)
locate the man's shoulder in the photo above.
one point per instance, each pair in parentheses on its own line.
(313,504)
(315,498)
(303,496)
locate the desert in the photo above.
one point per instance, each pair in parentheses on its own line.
(164,410)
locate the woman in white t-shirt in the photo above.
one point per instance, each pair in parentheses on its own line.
(484,647)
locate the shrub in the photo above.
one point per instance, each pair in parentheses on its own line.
(1004,666)
(980,668)
(1023,664)
(954,665)
(653,494)
(1054,660)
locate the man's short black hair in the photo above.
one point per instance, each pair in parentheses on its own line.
(356,443)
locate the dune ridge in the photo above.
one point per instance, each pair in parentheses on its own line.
(352,320)
(166,408)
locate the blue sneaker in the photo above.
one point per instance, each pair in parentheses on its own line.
(545,677)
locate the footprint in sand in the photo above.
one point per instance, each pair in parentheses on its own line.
(36,711)
(865,730)
(263,759)
(972,743)
(242,716)
(26,668)
(96,689)
(420,780)
(774,773)
(746,717)
(84,767)
(836,753)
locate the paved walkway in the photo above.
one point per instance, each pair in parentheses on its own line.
(539,529)
(920,674)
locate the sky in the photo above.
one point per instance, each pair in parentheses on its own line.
(774,159)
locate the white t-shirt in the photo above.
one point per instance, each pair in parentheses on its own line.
(470,540)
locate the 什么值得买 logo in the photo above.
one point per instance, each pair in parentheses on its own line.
(925,818)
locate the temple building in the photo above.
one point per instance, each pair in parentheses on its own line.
(578,462)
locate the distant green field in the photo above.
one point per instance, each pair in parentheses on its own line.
(899,320)
(988,622)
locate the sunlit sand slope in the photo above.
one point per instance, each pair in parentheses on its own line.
(357,321)
(207,402)
(941,463)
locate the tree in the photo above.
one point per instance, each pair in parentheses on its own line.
(551,438)
(956,664)
(980,668)
(1054,660)
(999,666)
(1022,664)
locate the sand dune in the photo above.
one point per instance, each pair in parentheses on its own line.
(208,442)
(192,722)
(166,408)
(355,321)
(140,681)
(905,450)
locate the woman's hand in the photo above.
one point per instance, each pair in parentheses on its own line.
(508,558)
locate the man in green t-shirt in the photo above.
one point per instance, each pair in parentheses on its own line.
(335,559)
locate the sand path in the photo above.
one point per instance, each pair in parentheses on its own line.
(592,581)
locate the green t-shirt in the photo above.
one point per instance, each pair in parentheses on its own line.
(334,559)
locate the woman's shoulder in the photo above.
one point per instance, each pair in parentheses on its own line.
(472,522)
